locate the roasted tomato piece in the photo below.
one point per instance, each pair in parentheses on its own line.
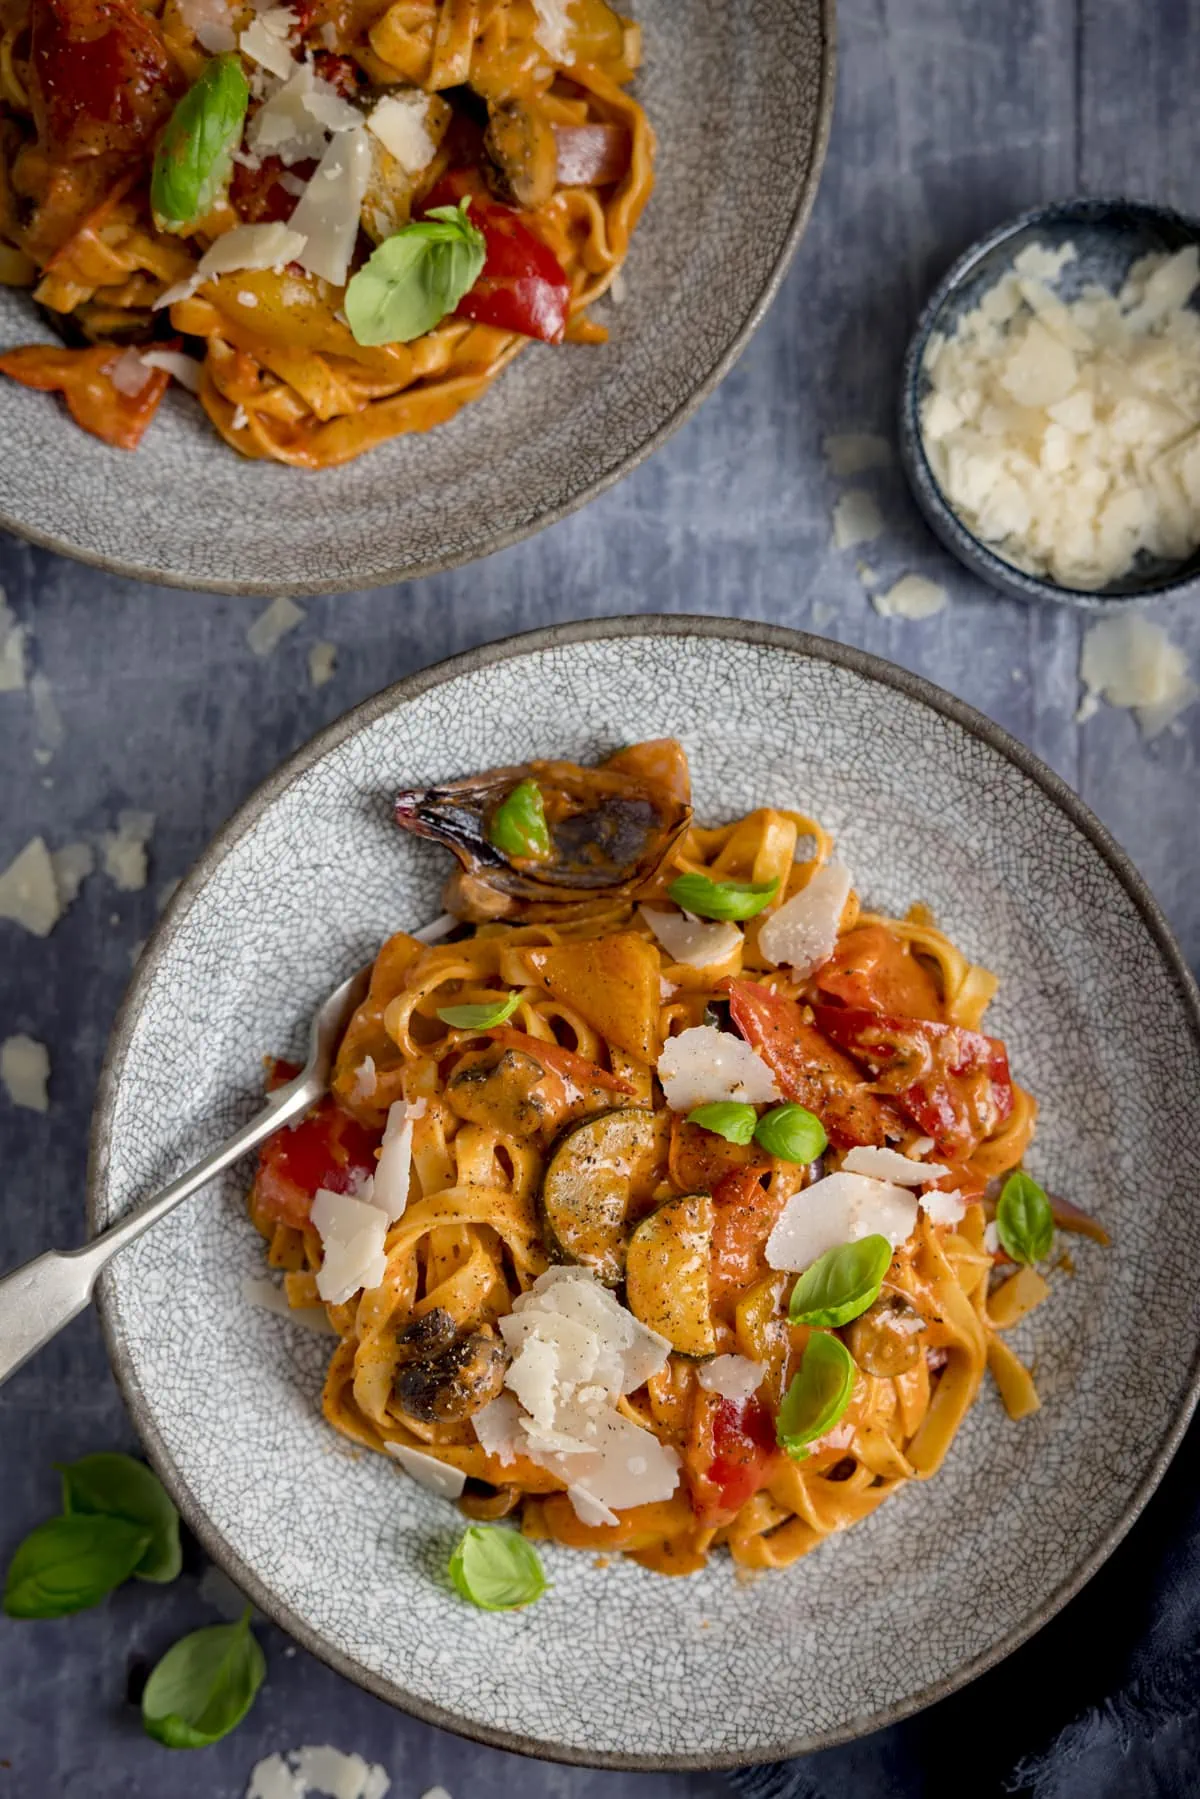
(327,1148)
(953,1083)
(744,1215)
(84,378)
(807,1066)
(731,1454)
(523,287)
(103,81)
(877,972)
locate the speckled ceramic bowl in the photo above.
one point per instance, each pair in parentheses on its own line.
(616,1665)
(740,97)
(1109,237)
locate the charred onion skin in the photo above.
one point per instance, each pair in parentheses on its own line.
(611,830)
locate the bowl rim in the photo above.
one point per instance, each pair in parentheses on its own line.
(747,631)
(396,575)
(970,550)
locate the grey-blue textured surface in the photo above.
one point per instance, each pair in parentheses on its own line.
(949,117)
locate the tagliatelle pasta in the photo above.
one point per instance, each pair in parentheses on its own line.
(354,122)
(595,1245)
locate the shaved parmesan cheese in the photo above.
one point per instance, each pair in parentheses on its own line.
(1066,435)
(317,1769)
(921,1148)
(210,23)
(1130,661)
(991,1238)
(24,1071)
(855,452)
(437,1477)
(263,1293)
(575,1351)
(394,1171)
(12,649)
(399,121)
(856,519)
(704,1064)
(890,1165)
(322,661)
(944,1208)
(912,597)
(803,932)
(352,1234)
(72,865)
(293,122)
(245,247)
(328,214)
(554,29)
(125,850)
(732,1376)
(185,369)
(691,941)
(839,1209)
(271,627)
(268,41)
(129,373)
(365,1081)
(28,890)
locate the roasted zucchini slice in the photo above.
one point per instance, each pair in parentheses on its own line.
(666,1273)
(595,1169)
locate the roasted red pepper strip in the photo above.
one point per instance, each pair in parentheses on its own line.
(523,286)
(744,1215)
(953,1083)
(327,1148)
(102,79)
(808,1068)
(84,378)
(731,1453)
(564,1062)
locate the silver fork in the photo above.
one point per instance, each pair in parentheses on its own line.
(36,1301)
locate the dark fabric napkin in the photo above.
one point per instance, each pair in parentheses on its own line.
(1101,1704)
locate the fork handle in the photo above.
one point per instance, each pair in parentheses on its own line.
(36,1301)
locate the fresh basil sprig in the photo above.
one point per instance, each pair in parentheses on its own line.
(481,1017)
(117,1486)
(791,1133)
(496,1569)
(841,1284)
(724,900)
(728,1118)
(204,1686)
(416,277)
(69,1564)
(1024,1219)
(194,160)
(518,825)
(818,1395)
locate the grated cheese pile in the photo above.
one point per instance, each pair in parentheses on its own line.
(1066,434)
(1129,661)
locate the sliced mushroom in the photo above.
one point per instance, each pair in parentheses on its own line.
(482,1500)
(454,1384)
(510,1092)
(427,1335)
(610,831)
(522,155)
(886,1340)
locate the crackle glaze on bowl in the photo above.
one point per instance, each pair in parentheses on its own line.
(617,1665)
(740,97)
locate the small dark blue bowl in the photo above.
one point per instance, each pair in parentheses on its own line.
(1109,237)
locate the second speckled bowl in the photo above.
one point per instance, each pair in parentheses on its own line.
(1109,236)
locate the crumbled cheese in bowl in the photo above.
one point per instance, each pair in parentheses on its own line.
(1065,433)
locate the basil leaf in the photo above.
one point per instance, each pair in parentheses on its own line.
(497,1569)
(1024,1219)
(818,1394)
(480,1018)
(204,1686)
(727,1118)
(791,1133)
(841,1284)
(416,277)
(117,1486)
(194,160)
(69,1564)
(726,900)
(518,825)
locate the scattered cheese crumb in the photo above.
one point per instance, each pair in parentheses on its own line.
(856,519)
(322,661)
(854,452)
(399,121)
(12,649)
(912,597)
(1066,435)
(47,720)
(125,850)
(732,1376)
(29,892)
(24,1071)
(867,575)
(72,865)
(272,626)
(262,1292)
(554,29)
(1129,661)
